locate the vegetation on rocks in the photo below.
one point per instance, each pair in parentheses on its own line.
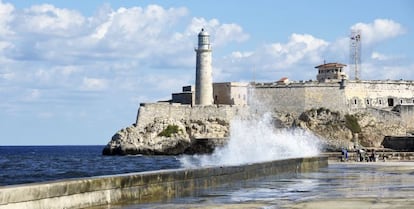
(351,122)
(170,130)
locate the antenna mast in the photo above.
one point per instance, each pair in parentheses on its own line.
(355,53)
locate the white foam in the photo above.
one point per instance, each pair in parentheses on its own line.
(256,140)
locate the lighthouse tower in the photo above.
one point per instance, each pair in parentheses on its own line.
(204,83)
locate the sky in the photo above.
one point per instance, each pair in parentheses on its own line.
(75,72)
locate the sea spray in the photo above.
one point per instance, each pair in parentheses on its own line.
(257,140)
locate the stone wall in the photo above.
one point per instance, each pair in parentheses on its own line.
(378,94)
(289,98)
(143,187)
(351,97)
(401,143)
(406,113)
(298,97)
(327,95)
(150,111)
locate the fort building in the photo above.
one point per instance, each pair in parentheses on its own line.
(330,71)
(331,90)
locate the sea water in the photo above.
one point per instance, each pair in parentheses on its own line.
(27,164)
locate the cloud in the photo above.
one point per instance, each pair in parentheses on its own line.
(274,60)
(48,20)
(94,84)
(379,30)
(62,52)
(143,52)
(6,16)
(221,34)
(379,56)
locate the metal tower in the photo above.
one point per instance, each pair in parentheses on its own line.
(355,53)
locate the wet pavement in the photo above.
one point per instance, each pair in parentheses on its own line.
(340,185)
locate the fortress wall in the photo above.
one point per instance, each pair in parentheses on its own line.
(356,95)
(148,112)
(384,115)
(363,94)
(407,115)
(143,187)
(327,95)
(284,98)
(301,97)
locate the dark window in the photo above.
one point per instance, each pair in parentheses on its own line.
(368,101)
(355,101)
(401,101)
(390,102)
(380,102)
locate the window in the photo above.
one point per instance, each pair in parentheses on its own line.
(367,101)
(401,101)
(355,101)
(380,101)
(390,102)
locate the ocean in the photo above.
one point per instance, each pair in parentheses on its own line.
(28,164)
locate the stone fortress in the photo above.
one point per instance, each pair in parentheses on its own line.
(204,112)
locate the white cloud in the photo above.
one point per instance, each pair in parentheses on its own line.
(7,76)
(297,57)
(379,56)
(94,84)
(379,30)
(31,95)
(6,16)
(274,60)
(47,19)
(221,34)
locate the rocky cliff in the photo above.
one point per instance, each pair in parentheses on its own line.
(167,137)
(348,130)
(174,129)
(162,130)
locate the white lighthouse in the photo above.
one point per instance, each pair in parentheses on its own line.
(204,83)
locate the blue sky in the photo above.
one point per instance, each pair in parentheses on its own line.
(74,72)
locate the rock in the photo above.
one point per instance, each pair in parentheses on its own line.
(149,140)
(333,129)
(169,136)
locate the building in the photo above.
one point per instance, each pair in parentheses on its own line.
(230,93)
(226,93)
(187,96)
(331,90)
(330,72)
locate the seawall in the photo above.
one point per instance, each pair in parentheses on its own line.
(144,186)
(399,143)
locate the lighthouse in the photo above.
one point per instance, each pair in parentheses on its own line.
(204,83)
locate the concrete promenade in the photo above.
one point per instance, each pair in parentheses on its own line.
(142,187)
